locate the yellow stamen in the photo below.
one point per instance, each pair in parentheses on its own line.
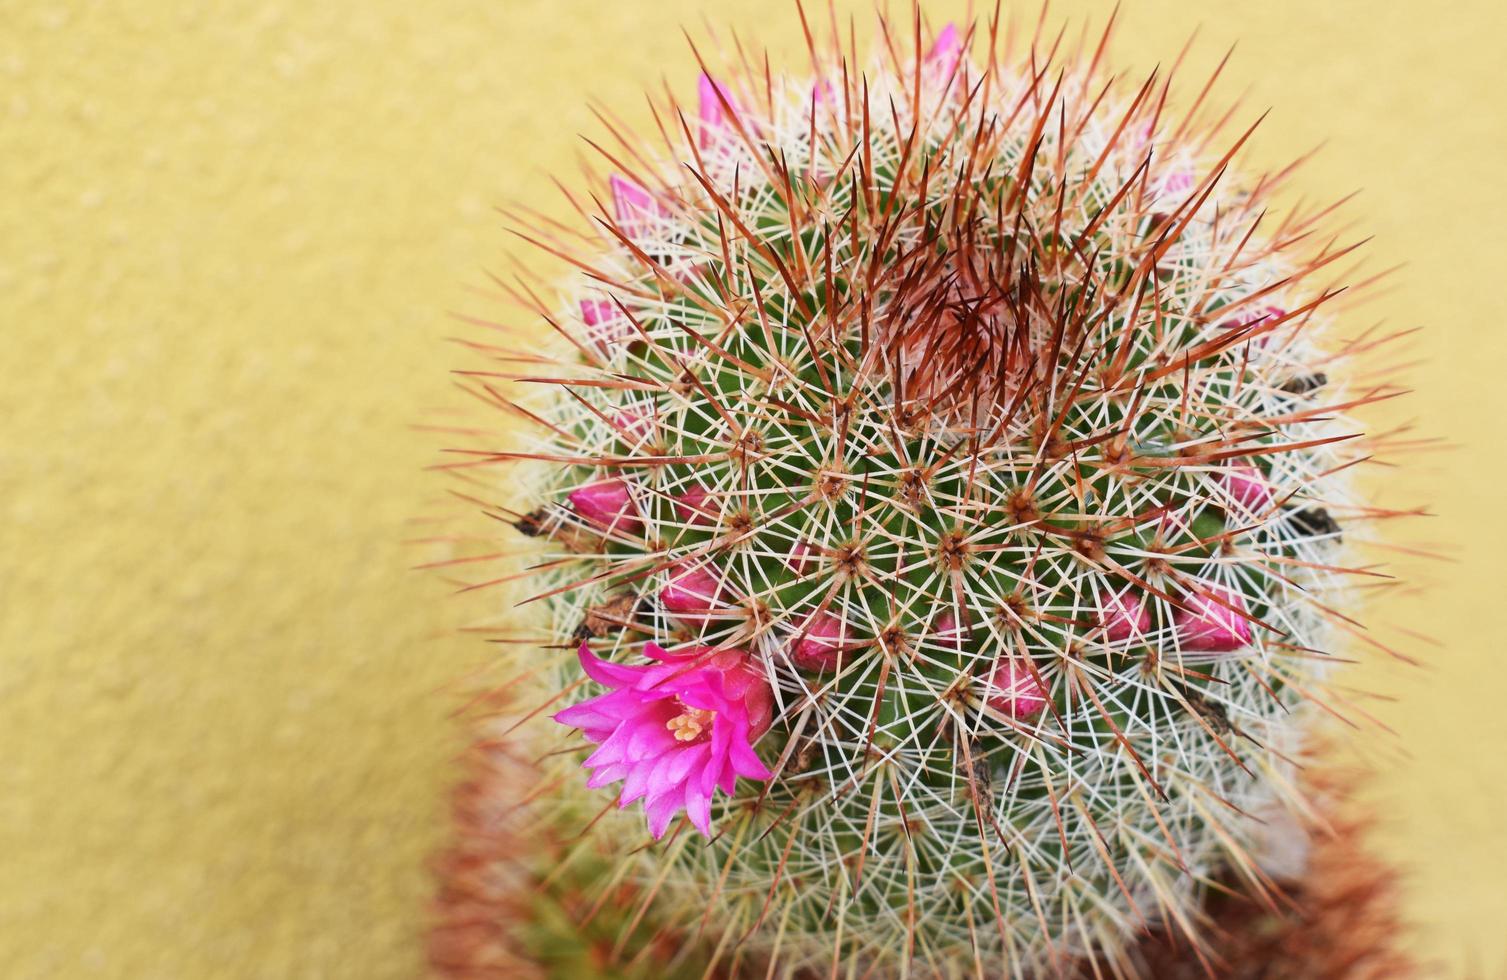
(689,725)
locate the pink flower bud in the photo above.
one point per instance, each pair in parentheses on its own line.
(1179,181)
(1214,620)
(945,52)
(1013,691)
(1123,615)
(634,424)
(802,557)
(714,103)
(695,506)
(608,505)
(693,592)
(820,641)
(605,323)
(948,631)
(634,207)
(1172,523)
(1247,487)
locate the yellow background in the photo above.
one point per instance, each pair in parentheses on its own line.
(230,236)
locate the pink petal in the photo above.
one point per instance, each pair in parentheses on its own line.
(698,806)
(604,672)
(661,813)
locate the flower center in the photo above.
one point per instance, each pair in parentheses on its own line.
(690,723)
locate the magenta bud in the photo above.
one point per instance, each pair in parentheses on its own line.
(1247,487)
(605,323)
(1214,620)
(1171,522)
(695,506)
(714,103)
(1014,691)
(634,424)
(949,632)
(945,51)
(1179,181)
(802,557)
(634,207)
(820,641)
(1123,615)
(692,592)
(608,505)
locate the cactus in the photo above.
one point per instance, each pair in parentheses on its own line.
(938,500)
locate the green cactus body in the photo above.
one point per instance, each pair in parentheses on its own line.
(1000,434)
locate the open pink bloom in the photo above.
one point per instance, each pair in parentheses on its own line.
(1245,484)
(1214,620)
(1012,690)
(1123,615)
(693,592)
(820,641)
(608,505)
(695,506)
(715,104)
(675,731)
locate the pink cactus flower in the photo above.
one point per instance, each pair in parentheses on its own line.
(674,732)
(1123,615)
(695,506)
(946,51)
(608,505)
(714,102)
(1214,620)
(634,207)
(949,632)
(820,641)
(694,592)
(1013,691)
(1247,487)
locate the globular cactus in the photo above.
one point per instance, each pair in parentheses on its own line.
(939,493)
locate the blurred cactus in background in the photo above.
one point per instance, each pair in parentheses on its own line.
(938,500)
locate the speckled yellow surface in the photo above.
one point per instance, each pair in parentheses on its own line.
(230,235)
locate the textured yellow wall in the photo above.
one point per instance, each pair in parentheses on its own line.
(230,233)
